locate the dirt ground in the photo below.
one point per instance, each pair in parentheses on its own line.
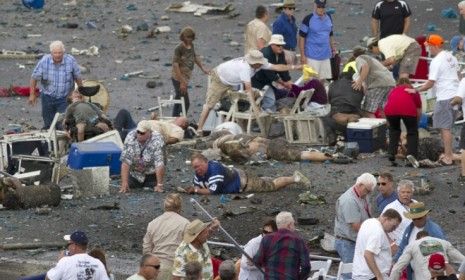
(120,231)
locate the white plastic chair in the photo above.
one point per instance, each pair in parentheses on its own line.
(344,268)
(321,268)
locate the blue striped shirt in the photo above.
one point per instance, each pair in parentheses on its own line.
(219,179)
(56,79)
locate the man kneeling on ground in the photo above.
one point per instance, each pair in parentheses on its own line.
(212,177)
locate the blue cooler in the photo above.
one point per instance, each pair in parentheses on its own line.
(370,134)
(83,155)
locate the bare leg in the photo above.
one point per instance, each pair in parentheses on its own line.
(203,116)
(314,156)
(80,131)
(462,164)
(282,182)
(446,136)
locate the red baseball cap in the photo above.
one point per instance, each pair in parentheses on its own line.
(437,262)
(434,40)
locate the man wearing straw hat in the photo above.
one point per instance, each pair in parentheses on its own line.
(194,248)
(420,221)
(231,75)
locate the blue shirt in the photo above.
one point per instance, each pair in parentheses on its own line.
(288,28)
(317,31)
(382,201)
(219,179)
(56,79)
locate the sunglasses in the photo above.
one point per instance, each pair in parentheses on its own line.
(290,8)
(266,231)
(141,133)
(382,183)
(157,267)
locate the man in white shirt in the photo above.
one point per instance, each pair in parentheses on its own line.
(372,258)
(76,263)
(443,78)
(234,73)
(405,191)
(248,270)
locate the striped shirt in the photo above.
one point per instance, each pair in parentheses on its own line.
(56,79)
(218,179)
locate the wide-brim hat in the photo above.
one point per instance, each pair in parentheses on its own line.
(277,39)
(288,4)
(255,57)
(417,210)
(194,229)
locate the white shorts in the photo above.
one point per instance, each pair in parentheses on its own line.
(323,67)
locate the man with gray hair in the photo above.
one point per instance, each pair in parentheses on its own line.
(56,73)
(283,254)
(352,208)
(405,189)
(227,270)
(149,266)
(165,233)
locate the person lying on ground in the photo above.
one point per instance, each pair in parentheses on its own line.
(172,130)
(212,177)
(243,147)
(83,118)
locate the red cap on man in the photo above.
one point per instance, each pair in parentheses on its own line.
(437,262)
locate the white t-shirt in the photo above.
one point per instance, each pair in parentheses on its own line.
(371,237)
(413,234)
(78,267)
(249,271)
(237,71)
(397,234)
(443,71)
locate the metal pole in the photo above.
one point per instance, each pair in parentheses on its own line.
(237,245)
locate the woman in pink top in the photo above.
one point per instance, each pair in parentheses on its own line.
(405,106)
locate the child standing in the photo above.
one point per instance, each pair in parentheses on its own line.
(183,64)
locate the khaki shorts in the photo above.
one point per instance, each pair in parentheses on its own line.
(216,89)
(409,62)
(323,67)
(252,183)
(279,150)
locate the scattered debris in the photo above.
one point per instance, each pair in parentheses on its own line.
(449,13)
(309,198)
(91,51)
(307,221)
(199,10)
(114,206)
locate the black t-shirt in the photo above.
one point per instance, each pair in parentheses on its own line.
(343,98)
(449,277)
(391,16)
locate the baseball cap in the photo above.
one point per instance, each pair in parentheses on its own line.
(78,237)
(143,126)
(454,42)
(436,262)
(320,3)
(434,40)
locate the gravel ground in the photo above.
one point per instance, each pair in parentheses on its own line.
(120,231)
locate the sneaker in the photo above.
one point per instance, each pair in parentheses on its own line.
(413,161)
(301,178)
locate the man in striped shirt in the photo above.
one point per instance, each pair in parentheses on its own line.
(56,73)
(212,177)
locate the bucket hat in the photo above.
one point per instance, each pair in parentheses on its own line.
(255,57)
(417,210)
(277,39)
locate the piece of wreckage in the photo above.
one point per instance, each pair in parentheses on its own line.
(199,10)
(14,195)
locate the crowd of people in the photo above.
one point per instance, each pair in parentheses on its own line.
(393,238)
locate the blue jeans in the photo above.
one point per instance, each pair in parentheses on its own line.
(269,100)
(51,106)
(35,277)
(346,251)
(124,123)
